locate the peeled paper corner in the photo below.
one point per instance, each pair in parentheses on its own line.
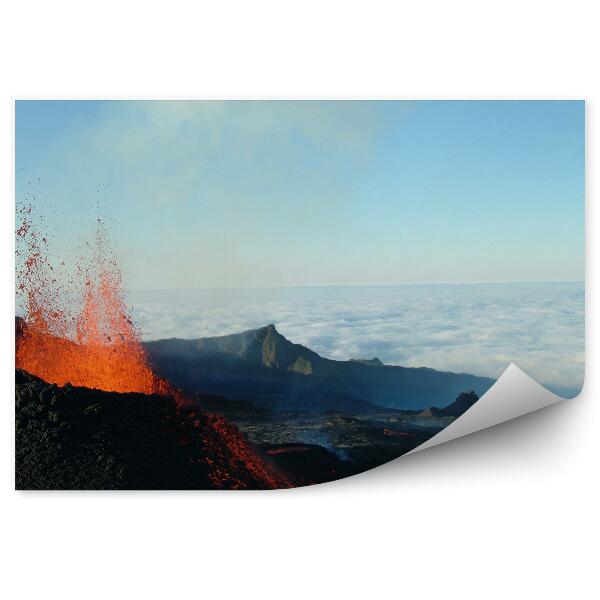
(514,394)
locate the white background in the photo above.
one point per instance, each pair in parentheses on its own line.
(507,513)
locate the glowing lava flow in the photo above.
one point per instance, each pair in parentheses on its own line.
(94,344)
(111,361)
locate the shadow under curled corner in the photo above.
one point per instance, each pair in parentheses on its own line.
(514,394)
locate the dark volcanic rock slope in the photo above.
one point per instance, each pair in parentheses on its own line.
(264,367)
(78,438)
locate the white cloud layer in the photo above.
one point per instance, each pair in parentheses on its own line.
(474,328)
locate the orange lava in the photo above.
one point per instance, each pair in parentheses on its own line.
(242,455)
(287,450)
(394,433)
(119,366)
(94,343)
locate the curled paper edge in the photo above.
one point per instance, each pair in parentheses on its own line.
(514,394)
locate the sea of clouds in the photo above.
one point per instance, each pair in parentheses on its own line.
(473,328)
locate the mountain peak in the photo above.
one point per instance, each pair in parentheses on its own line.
(372,362)
(238,362)
(266,330)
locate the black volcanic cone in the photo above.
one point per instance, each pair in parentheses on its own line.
(79,438)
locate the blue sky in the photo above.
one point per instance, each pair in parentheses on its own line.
(220,194)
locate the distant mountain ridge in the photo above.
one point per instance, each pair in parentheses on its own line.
(456,409)
(264,367)
(371,362)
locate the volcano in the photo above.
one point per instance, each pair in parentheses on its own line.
(75,437)
(79,438)
(90,411)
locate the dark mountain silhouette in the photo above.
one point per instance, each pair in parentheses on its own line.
(263,367)
(456,409)
(372,362)
(78,438)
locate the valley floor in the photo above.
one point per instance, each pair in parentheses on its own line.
(323,447)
